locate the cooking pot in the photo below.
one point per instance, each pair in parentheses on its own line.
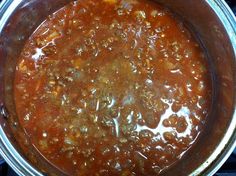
(212,23)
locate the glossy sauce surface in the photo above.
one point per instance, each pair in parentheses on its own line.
(112,87)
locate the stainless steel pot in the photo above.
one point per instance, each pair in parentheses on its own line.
(211,21)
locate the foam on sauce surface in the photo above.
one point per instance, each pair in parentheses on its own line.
(112,87)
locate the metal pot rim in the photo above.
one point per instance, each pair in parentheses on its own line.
(228,143)
(209,167)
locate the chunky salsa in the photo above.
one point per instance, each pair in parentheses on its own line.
(112,87)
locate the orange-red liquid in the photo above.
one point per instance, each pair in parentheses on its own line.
(112,87)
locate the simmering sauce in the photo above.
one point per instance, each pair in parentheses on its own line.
(112,87)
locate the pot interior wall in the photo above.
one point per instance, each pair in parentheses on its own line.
(27,16)
(221,57)
(203,21)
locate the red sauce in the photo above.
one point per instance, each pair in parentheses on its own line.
(112,87)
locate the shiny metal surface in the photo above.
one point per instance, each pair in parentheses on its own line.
(213,23)
(228,143)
